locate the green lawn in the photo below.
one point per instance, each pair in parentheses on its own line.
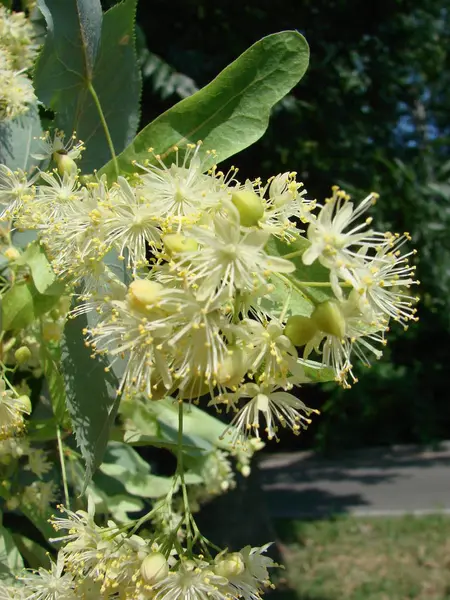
(366,559)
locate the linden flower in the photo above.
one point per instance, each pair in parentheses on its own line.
(331,243)
(52,584)
(82,539)
(130,225)
(12,409)
(16,94)
(16,35)
(40,495)
(193,580)
(228,260)
(58,199)
(181,192)
(269,350)
(341,330)
(276,407)
(248,574)
(49,146)
(38,462)
(76,244)
(381,283)
(283,199)
(15,190)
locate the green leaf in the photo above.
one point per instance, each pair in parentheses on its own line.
(35,555)
(39,519)
(297,289)
(232,111)
(124,464)
(17,307)
(41,270)
(135,438)
(18,140)
(81,51)
(120,459)
(10,558)
(199,428)
(91,395)
(148,486)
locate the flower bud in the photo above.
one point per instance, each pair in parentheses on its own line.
(25,403)
(65,164)
(176,242)
(11,253)
(231,565)
(22,354)
(250,207)
(300,329)
(143,294)
(154,568)
(328,318)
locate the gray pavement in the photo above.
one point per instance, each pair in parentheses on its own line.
(375,482)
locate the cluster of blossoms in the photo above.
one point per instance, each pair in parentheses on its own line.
(104,562)
(30,487)
(17,53)
(174,269)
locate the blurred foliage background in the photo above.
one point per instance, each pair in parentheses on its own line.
(372,113)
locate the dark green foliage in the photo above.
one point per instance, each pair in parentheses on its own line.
(84,49)
(91,395)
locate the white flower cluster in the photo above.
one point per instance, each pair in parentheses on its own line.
(17,53)
(103,562)
(17,455)
(12,410)
(196,314)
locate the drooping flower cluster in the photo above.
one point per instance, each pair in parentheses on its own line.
(17,53)
(105,562)
(179,271)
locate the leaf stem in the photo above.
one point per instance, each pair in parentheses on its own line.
(105,127)
(63,467)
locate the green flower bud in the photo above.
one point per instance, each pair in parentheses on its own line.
(250,207)
(231,565)
(22,354)
(328,318)
(300,330)
(25,403)
(65,164)
(143,294)
(154,568)
(176,242)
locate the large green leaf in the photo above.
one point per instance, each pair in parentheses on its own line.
(91,395)
(18,140)
(232,111)
(84,50)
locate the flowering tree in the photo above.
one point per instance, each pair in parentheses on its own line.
(140,283)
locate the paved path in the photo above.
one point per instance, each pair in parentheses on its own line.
(375,482)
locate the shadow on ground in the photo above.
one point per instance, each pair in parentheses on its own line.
(305,485)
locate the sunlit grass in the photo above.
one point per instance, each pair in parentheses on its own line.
(366,559)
